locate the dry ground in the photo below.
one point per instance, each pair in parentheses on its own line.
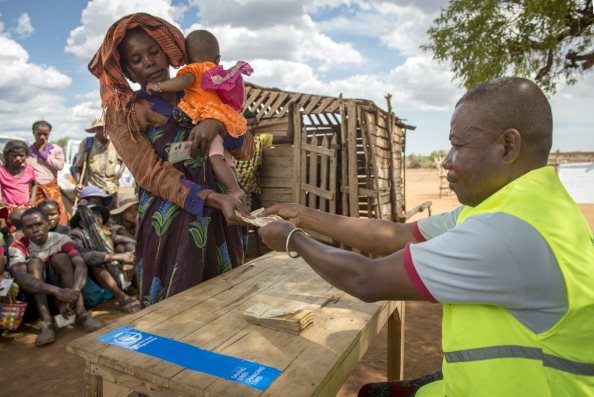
(26,370)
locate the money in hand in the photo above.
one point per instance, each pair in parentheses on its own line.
(256,220)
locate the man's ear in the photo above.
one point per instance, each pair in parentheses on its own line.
(512,143)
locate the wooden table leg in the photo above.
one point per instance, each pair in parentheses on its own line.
(93,383)
(396,344)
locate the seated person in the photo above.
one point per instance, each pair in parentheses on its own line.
(92,237)
(51,208)
(47,263)
(123,223)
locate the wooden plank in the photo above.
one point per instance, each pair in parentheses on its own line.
(272,182)
(252,94)
(296,125)
(324,104)
(320,150)
(278,172)
(313,102)
(258,101)
(324,174)
(318,191)
(312,177)
(278,151)
(332,180)
(344,181)
(275,107)
(269,101)
(377,169)
(351,110)
(267,124)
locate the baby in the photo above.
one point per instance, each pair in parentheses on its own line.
(211,92)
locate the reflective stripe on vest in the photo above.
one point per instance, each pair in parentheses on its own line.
(511,351)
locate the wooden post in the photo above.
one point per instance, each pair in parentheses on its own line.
(93,383)
(343,188)
(392,171)
(396,343)
(333,172)
(296,125)
(352,158)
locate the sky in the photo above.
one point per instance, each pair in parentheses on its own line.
(360,48)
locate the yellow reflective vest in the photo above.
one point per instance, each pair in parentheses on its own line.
(487,352)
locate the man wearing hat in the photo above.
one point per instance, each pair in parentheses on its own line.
(99,160)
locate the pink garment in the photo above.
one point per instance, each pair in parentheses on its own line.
(46,169)
(228,83)
(216,148)
(15,190)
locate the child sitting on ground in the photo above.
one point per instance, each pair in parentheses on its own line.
(52,209)
(16,179)
(211,92)
(123,225)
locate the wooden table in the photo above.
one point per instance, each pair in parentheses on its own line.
(317,362)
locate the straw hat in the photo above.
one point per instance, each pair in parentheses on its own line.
(97,122)
(125,201)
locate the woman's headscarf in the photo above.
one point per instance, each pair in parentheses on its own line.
(105,65)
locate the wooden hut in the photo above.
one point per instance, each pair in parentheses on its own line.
(346,158)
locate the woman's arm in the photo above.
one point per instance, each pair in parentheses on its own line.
(151,172)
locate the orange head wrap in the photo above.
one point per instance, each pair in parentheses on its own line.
(113,87)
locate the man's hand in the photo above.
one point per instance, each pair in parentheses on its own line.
(68,295)
(125,258)
(274,235)
(202,134)
(288,211)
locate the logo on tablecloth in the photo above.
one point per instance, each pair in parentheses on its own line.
(128,338)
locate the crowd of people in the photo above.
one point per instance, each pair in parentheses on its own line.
(512,265)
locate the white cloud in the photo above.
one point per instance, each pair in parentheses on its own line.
(99,15)
(24,27)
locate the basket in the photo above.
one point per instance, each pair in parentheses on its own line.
(11,315)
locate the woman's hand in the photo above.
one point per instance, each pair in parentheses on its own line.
(274,235)
(289,211)
(228,204)
(203,133)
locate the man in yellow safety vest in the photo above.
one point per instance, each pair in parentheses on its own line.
(513,266)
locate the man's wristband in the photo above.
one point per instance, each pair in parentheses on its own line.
(297,229)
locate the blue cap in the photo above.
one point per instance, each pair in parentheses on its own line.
(94,191)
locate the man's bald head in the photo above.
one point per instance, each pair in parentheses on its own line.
(518,103)
(202,46)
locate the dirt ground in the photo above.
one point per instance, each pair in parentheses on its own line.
(26,370)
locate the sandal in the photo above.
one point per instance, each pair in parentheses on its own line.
(47,334)
(129,306)
(88,323)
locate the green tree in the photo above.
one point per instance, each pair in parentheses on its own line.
(545,40)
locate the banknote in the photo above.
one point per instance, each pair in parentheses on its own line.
(258,220)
